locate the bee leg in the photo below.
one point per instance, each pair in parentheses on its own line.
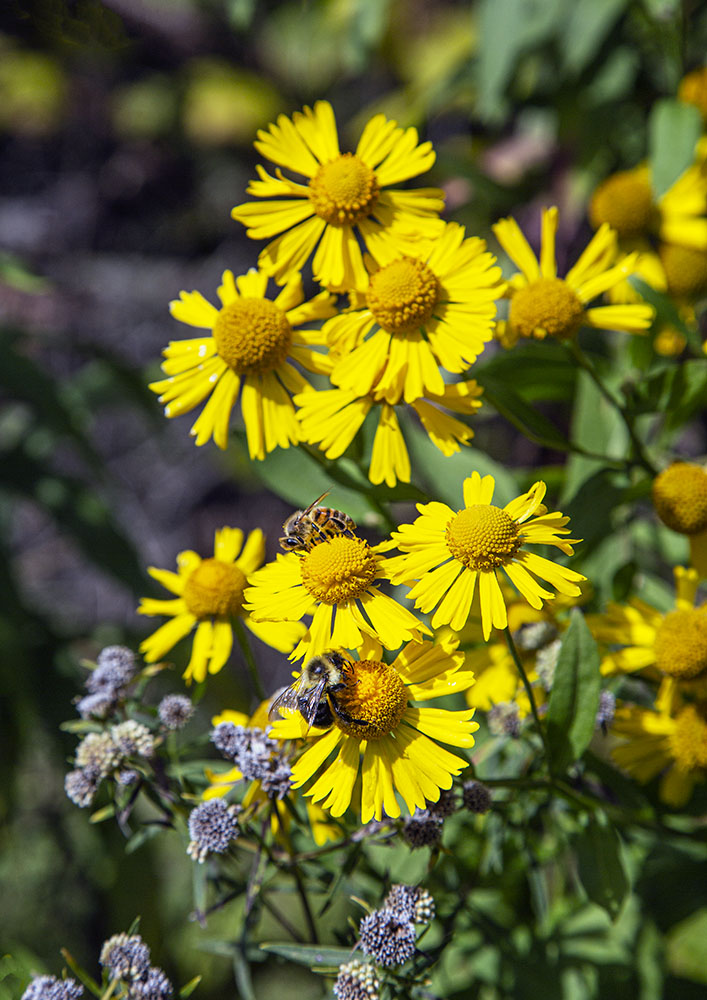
(345,717)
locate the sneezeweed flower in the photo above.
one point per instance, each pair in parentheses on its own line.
(391,744)
(346,195)
(680,501)
(545,305)
(51,988)
(208,595)
(669,645)
(447,552)
(337,582)
(213,826)
(417,314)
(331,419)
(252,343)
(670,742)
(357,981)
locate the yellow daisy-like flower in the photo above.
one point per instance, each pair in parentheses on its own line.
(417,313)
(252,344)
(671,645)
(331,418)
(447,551)
(389,742)
(336,582)
(209,594)
(671,742)
(221,782)
(680,500)
(345,195)
(544,305)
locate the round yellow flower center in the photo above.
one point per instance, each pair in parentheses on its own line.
(681,644)
(685,269)
(680,497)
(693,89)
(688,743)
(375,698)
(669,342)
(403,294)
(625,201)
(339,569)
(214,590)
(253,336)
(482,537)
(546,307)
(344,191)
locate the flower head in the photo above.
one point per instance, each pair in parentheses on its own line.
(356,981)
(344,195)
(51,988)
(125,956)
(336,581)
(378,734)
(447,552)
(416,314)
(213,825)
(680,497)
(693,90)
(208,595)
(545,305)
(175,710)
(252,343)
(388,937)
(331,418)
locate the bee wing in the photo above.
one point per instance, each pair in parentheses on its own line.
(287,699)
(315,502)
(310,701)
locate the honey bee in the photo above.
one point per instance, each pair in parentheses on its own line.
(306,528)
(313,694)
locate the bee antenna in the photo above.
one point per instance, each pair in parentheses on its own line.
(315,502)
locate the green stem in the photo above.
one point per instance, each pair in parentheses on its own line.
(529,691)
(252,666)
(586,365)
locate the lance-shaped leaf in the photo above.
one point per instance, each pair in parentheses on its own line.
(574,700)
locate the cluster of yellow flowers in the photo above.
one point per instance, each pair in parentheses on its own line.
(420,305)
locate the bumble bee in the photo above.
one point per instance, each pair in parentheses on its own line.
(313,694)
(306,528)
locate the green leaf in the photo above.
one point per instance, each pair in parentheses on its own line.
(596,427)
(574,698)
(531,423)
(244,980)
(313,956)
(188,988)
(666,313)
(673,131)
(584,29)
(601,870)
(538,371)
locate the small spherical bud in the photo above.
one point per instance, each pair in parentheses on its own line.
(446,805)
(127,776)
(680,497)
(504,719)
(476,797)
(546,662)
(410,902)
(98,753)
(81,787)
(125,956)
(153,986)
(51,988)
(423,829)
(133,739)
(356,981)
(97,706)
(605,712)
(387,937)
(212,827)
(534,636)
(175,710)
(115,670)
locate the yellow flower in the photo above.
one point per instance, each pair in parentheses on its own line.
(693,90)
(391,744)
(447,551)
(221,783)
(336,582)
(417,313)
(331,418)
(544,305)
(680,500)
(671,741)
(670,645)
(209,594)
(345,195)
(252,344)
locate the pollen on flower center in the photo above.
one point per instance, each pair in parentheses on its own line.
(403,294)
(546,307)
(214,589)
(253,336)
(374,700)
(680,497)
(340,569)
(482,537)
(688,743)
(681,643)
(344,191)
(625,201)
